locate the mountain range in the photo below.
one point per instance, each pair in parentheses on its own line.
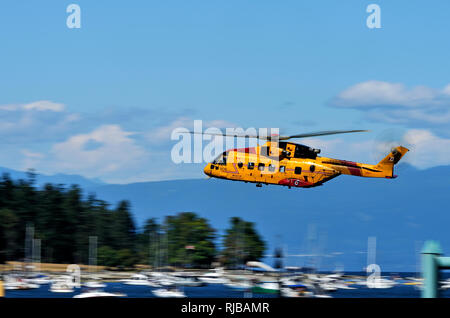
(326,226)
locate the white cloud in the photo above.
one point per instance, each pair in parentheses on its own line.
(446,90)
(395,103)
(375,93)
(428,150)
(116,153)
(41,105)
(44,105)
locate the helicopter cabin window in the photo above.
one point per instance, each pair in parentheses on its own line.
(240,164)
(312,168)
(271,168)
(282,169)
(251,165)
(298,170)
(261,167)
(221,159)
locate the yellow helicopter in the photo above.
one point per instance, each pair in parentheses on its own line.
(290,164)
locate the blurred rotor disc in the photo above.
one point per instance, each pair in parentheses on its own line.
(388,139)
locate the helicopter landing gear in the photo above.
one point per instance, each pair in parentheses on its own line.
(259,185)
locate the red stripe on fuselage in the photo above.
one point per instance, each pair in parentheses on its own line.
(355,171)
(244,150)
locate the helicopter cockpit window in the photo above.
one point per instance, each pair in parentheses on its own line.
(221,159)
(302,151)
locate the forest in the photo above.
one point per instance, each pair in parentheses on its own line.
(64,218)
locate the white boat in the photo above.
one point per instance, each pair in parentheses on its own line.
(240,285)
(159,279)
(153,283)
(322,296)
(137,279)
(17,283)
(98,294)
(61,286)
(323,283)
(445,284)
(38,279)
(288,281)
(328,286)
(94,284)
(166,281)
(294,293)
(213,278)
(288,292)
(168,293)
(380,283)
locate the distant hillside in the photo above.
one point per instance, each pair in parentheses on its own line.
(41,179)
(401,213)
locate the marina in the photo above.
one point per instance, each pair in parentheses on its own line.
(322,285)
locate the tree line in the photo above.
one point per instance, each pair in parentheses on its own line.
(64,218)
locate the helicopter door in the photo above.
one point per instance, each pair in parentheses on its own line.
(262,172)
(251,171)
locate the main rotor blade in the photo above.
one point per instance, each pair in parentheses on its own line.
(320,133)
(277,137)
(230,135)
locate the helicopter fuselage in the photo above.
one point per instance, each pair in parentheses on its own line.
(293,165)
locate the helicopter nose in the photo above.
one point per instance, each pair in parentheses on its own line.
(207,169)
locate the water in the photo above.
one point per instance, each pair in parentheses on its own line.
(208,291)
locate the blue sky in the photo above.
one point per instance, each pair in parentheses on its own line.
(101,101)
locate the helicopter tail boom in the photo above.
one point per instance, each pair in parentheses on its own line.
(384,169)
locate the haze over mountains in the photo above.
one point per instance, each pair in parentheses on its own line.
(334,220)
(59,178)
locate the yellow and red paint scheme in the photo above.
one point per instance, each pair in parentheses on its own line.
(293,165)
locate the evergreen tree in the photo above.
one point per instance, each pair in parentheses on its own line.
(241,243)
(8,234)
(190,240)
(123,228)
